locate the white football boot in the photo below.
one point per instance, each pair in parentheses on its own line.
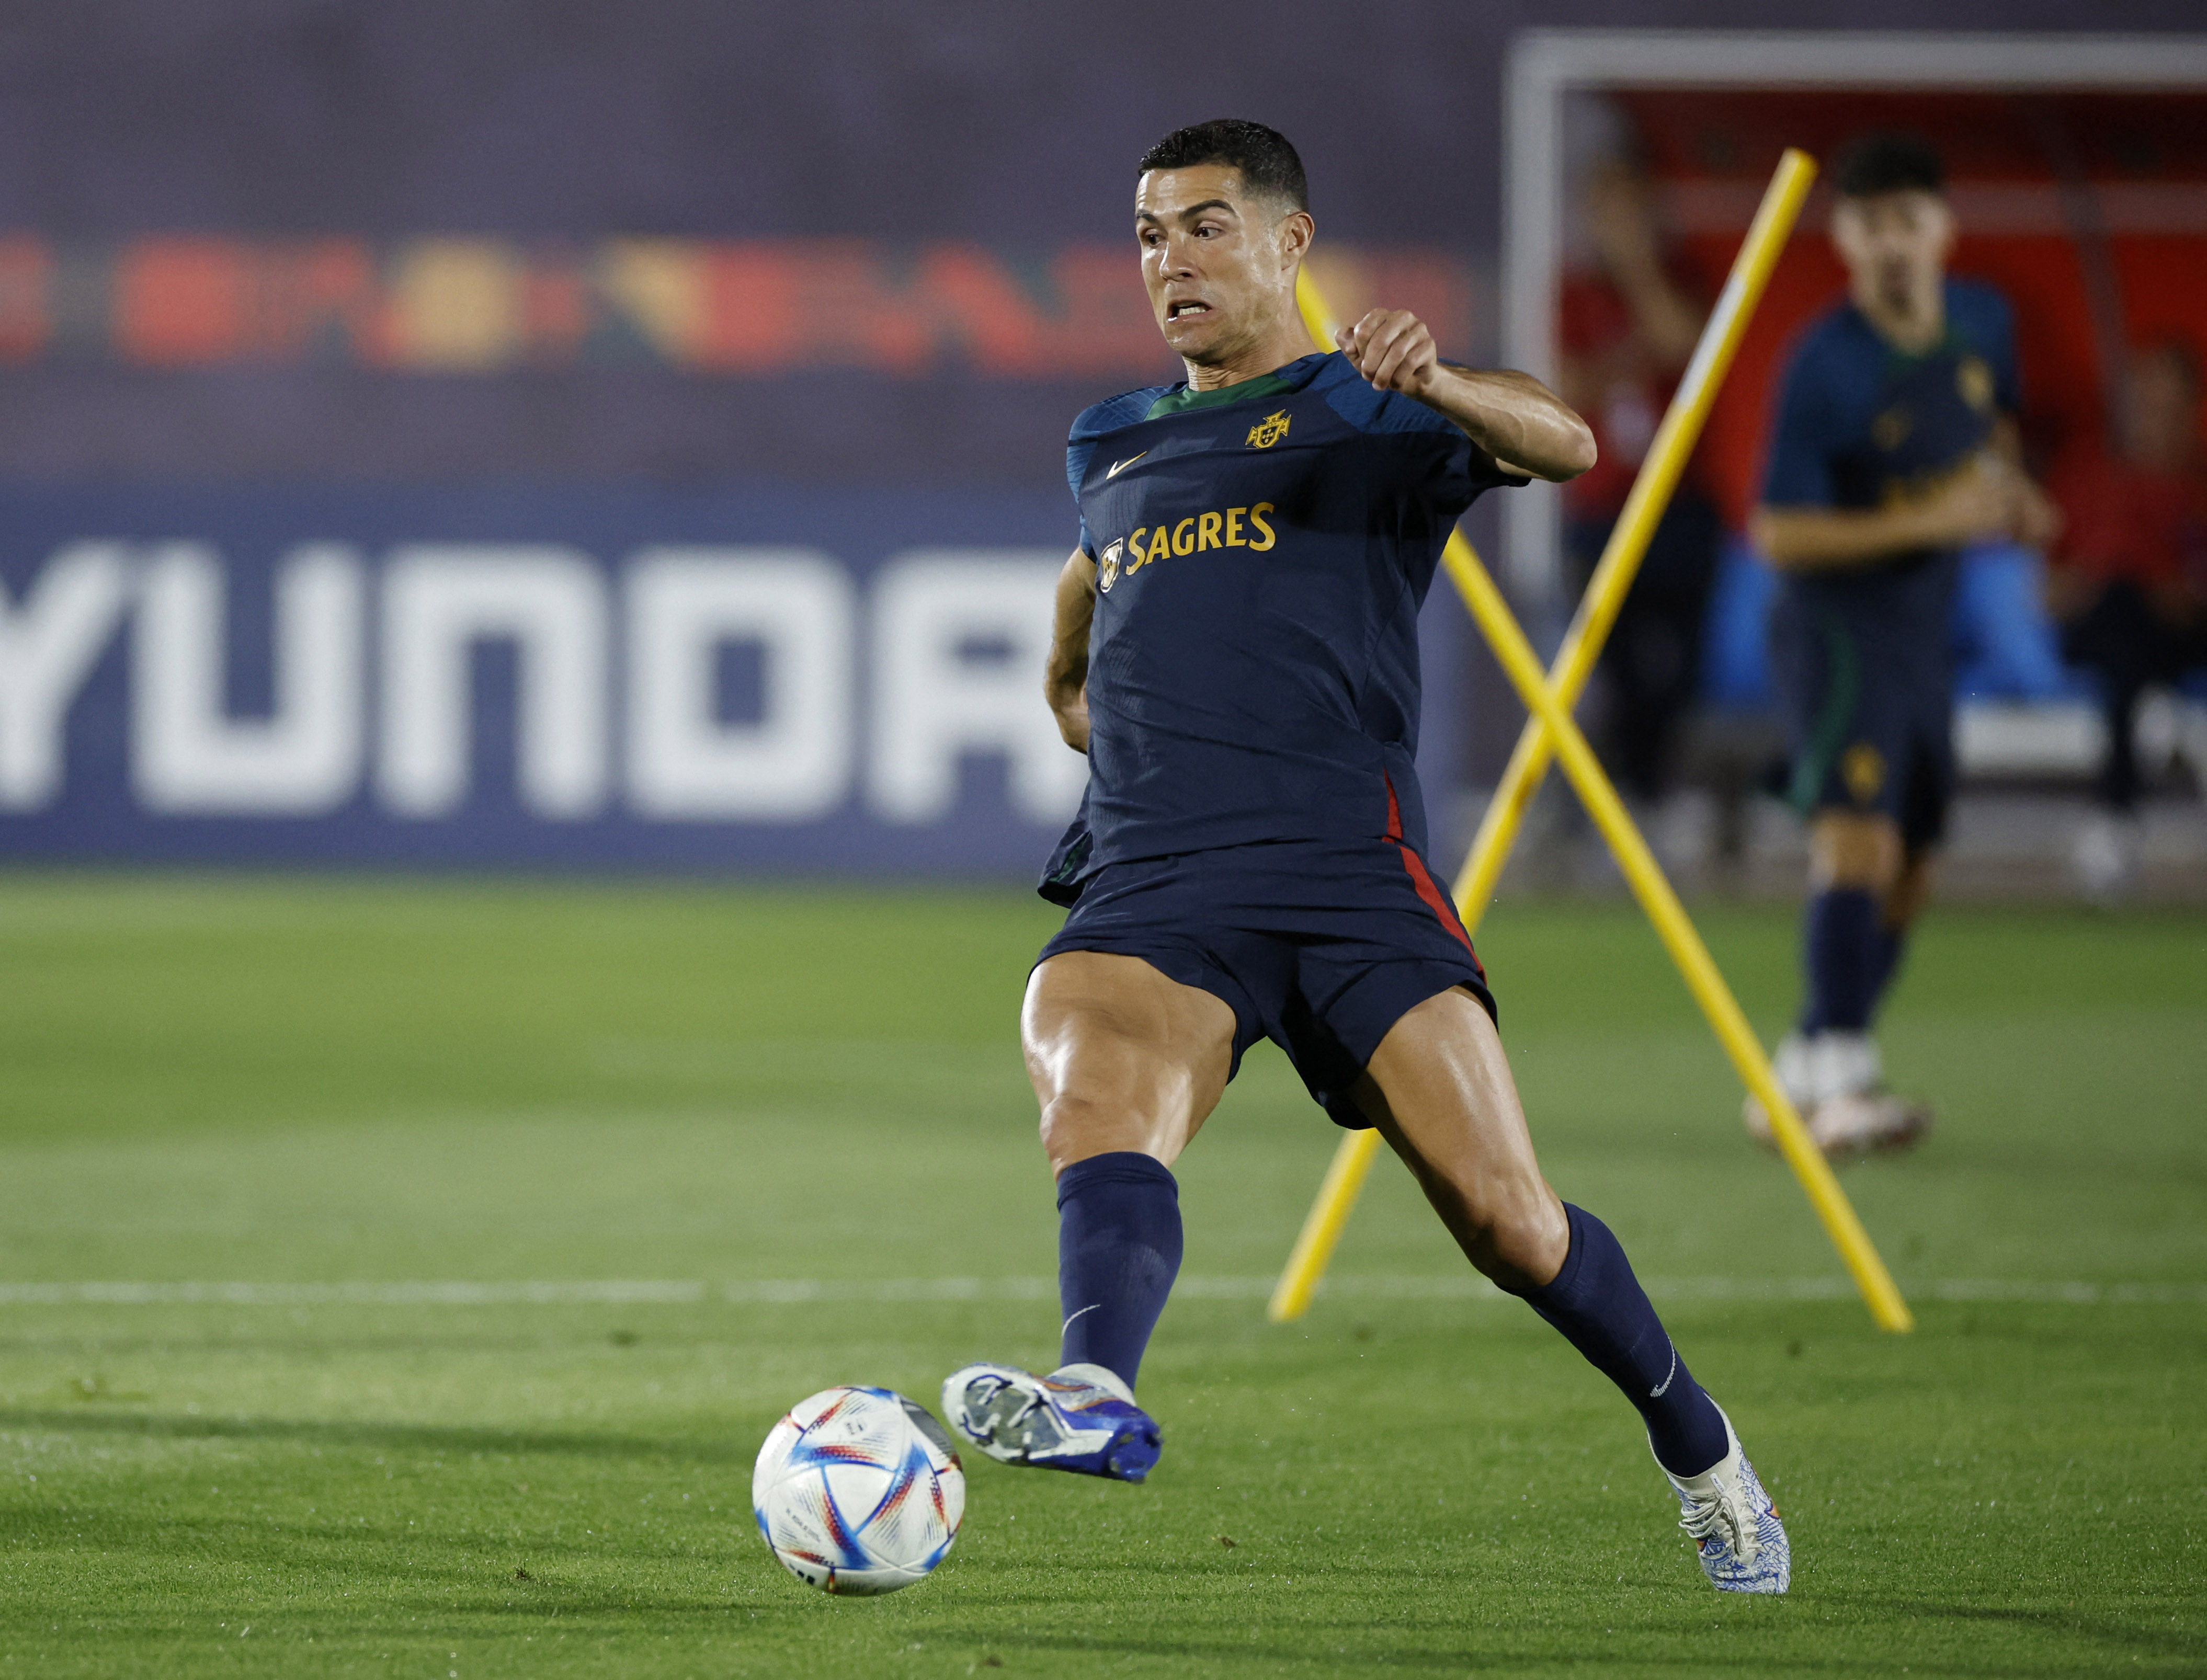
(2106,857)
(1080,1417)
(1836,1082)
(1732,1524)
(1867,1122)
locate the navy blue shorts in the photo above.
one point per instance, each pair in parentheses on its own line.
(1868,690)
(1319,945)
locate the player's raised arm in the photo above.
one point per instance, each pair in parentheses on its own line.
(1977,503)
(1515,418)
(1065,673)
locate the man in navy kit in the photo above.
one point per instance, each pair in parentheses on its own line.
(1893,448)
(1236,653)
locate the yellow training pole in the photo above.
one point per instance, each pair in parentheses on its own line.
(1636,525)
(1523,667)
(1352,1160)
(1659,475)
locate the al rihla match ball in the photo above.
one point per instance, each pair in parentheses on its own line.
(858,1490)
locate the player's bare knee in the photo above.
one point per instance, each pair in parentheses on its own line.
(1531,1239)
(1076,1125)
(1516,1233)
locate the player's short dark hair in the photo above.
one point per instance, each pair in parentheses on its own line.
(1268,163)
(1877,164)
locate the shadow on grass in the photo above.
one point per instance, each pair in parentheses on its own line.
(364,1574)
(299,1347)
(1515,1650)
(411,1438)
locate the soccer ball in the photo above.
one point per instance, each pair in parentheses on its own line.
(858,1490)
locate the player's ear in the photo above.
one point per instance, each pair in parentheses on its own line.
(1295,232)
(1945,229)
(1845,229)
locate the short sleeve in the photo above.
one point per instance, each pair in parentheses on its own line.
(1093,425)
(1447,470)
(1435,460)
(1799,472)
(1076,469)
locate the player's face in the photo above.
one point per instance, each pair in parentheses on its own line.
(1220,264)
(1895,246)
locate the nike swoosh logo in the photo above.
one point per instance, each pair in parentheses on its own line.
(1118,467)
(1657,1394)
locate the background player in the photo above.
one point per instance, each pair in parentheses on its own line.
(1894,447)
(1236,652)
(2129,584)
(1627,321)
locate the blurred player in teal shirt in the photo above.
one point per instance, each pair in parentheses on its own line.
(1895,446)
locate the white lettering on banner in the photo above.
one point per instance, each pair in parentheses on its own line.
(935,701)
(437,602)
(188,756)
(48,647)
(684,606)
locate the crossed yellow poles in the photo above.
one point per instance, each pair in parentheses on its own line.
(1551,733)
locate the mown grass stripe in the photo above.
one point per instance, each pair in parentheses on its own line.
(678,1292)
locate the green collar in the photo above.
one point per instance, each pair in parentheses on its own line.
(1186,396)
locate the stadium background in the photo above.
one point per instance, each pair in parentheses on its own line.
(458,1086)
(450,316)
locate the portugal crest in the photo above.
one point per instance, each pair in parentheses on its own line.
(1974,381)
(1107,566)
(1862,767)
(1269,430)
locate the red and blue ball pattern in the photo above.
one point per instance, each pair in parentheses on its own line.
(858,1490)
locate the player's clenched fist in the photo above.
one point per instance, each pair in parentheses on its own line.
(1393,348)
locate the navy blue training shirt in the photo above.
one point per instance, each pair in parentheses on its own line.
(1861,423)
(1261,554)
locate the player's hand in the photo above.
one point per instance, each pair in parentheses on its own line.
(1978,503)
(2037,520)
(1392,349)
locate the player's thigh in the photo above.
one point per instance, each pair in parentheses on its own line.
(1121,1057)
(1440,1090)
(1853,849)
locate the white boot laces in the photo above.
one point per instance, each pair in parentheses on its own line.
(1725,1510)
(1006,1425)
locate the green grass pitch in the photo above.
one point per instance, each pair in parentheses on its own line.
(751,1143)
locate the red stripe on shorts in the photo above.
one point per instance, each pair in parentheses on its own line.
(1427,889)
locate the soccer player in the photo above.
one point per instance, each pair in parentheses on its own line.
(1236,653)
(1895,446)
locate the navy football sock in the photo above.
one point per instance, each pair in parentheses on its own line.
(1601,1310)
(1842,940)
(1118,1251)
